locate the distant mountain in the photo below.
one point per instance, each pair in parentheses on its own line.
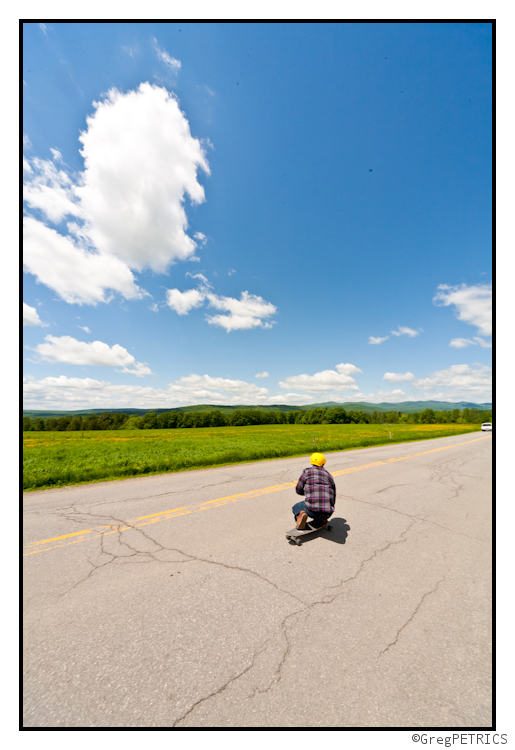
(406,407)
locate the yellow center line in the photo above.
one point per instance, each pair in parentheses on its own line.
(166,515)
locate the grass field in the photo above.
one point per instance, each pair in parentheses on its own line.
(57,459)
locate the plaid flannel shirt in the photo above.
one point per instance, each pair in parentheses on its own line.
(318,488)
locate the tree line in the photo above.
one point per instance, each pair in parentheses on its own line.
(241,417)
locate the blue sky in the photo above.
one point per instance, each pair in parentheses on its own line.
(256,213)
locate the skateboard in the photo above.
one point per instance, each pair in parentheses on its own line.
(295,534)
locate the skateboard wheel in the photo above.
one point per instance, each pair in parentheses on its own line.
(298,542)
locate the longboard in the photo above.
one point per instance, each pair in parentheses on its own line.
(295,534)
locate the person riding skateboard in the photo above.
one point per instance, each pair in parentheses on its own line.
(319,490)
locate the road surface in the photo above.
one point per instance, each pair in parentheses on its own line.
(176,600)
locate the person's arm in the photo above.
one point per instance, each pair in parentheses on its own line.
(331,482)
(299,489)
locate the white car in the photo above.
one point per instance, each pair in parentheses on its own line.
(486,426)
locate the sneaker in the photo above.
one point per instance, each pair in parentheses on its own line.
(301,520)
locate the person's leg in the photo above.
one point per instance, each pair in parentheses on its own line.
(320,519)
(301,516)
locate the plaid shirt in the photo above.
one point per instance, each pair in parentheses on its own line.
(319,489)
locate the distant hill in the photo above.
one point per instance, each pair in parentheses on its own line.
(406,407)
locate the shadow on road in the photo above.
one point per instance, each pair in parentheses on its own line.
(338,533)
(339,530)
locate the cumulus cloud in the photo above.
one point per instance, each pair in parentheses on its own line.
(129,200)
(405,331)
(262,375)
(457,383)
(76,274)
(329,381)
(135,178)
(463,343)
(31,317)
(247,312)
(84,328)
(250,311)
(183,302)
(473,304)
(348,369)
(238,390)
(377,339)
(394,377)
(51,190)
(82,393)
(70,351)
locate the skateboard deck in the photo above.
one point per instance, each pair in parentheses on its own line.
(295,534)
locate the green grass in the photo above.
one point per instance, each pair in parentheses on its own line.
(58,459)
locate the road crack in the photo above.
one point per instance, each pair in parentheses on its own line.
(390,645)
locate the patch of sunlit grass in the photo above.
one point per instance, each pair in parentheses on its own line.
(56,459)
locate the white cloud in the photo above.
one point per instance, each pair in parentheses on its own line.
(473,304)
(237,390)
(165,58)
(56,154)
(183,302)
(82,393)
(405,331)
(262,375)
(31,317)
(42,27)
(457,383)
(295,399)
(380,397)
(463,343)
(26,141)
(136,178)
(348,369)
(51,190)
(200,237)
(247,312)
(76,274)
(326,381)
(377,339)
(129,198)
(70,351)
(84,328)
(482,343)
(394,377)
(205,283)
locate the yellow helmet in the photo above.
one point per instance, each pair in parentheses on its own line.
(318,459)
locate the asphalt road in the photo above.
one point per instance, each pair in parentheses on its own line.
(176,600)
